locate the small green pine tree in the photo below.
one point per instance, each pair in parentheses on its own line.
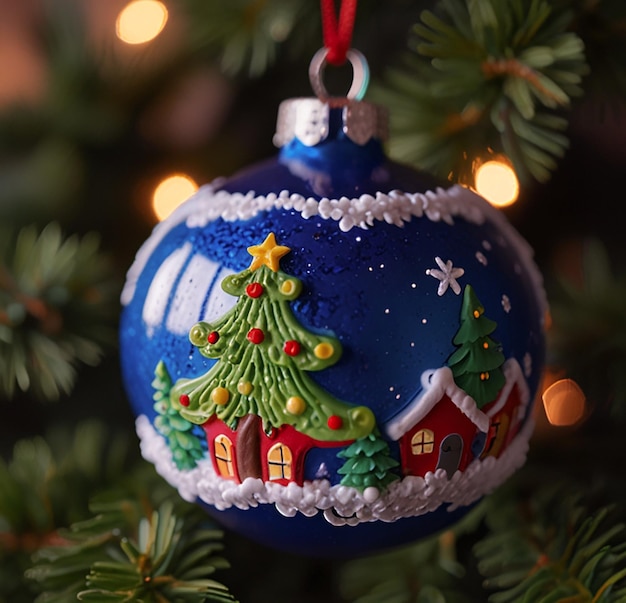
(186,448)
(477,364)
(368,464)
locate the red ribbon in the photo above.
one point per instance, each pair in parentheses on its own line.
(337,34)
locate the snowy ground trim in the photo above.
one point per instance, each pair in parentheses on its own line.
(341,505)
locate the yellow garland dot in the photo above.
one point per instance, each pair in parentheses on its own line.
(323,351)
(485,345)
(476,313)
(197,335)
(288,287)
(484,376)
(296,405)
(220,396)
(244,387)
(364,418)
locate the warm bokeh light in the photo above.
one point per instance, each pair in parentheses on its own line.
(170,193)
(141,21)
(497,182)
(564,402)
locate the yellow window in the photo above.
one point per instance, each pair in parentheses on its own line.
(279,461)
(224,456)
(423,442)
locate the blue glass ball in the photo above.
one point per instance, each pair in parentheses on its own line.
(384,254)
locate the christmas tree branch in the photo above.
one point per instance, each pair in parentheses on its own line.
(127,538)
(554,549)
(56,297)
(496,74)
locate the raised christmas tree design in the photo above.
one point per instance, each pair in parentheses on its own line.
(369,464)
(185,445)
(477,364)
(264,355)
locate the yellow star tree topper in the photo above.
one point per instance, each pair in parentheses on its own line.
(267,253)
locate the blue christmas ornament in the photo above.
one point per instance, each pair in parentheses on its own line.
(333,353)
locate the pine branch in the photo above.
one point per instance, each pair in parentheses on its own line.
(427,571)
(135,538)
(46,485)
(486,77)
(56,310)
(245,34)
(127,554)
(554,549)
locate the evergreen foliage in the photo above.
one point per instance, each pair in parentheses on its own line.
(71,526)
(368,464)
(424,572)
(487,77)
(123,555)
(477,363)
(56,309)
(554,550)
(185,444)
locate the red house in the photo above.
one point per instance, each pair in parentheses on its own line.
(440,429)
(250,452)
(507,411)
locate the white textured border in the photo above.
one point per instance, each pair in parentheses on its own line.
(341,505)
(394,207)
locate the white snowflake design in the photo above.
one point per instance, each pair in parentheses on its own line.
(447,276)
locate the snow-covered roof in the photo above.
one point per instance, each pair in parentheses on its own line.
(435,384)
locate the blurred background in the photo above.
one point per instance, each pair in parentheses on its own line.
(112,112)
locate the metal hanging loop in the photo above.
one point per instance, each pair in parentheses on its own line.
(360,74)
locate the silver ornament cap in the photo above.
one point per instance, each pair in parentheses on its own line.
(308,119)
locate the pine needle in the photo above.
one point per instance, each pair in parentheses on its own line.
(512,63)
(56,309)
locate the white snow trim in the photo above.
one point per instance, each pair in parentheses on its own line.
(395,207)
(436,384)
(513,374)
(341,505)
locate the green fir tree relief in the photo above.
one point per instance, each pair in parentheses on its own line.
(185,446)
(368,464)
(264,355)
(477,363)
